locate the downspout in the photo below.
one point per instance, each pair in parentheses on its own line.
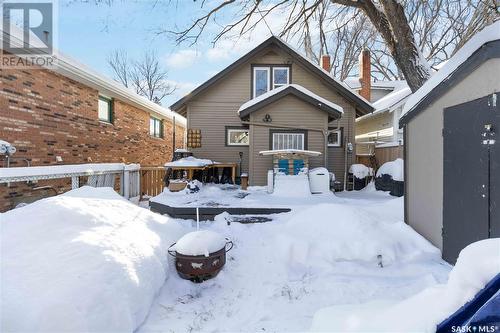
(173,137)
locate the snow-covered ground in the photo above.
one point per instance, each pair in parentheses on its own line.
(91,261)
(347,249)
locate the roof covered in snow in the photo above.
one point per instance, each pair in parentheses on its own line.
(79,72)
(290,89)
(440,81)
(353,83)
(362,105)
(389,102)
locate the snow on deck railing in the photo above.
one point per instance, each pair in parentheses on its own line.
(129,174)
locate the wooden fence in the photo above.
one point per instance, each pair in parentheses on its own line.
(152,180)
(387,154)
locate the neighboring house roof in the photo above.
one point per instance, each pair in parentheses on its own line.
(354,83)
(362,104)
(296,90)
(74,70)
(389,102)
(481,47)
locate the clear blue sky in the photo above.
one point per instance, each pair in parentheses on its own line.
(90,32)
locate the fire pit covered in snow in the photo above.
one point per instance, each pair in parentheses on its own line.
(200,255)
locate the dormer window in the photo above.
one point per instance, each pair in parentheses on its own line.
(269,77)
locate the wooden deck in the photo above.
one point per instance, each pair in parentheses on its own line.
(208,213)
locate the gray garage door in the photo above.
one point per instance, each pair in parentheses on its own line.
(471,174)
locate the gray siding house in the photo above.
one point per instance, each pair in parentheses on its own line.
(297,115)
(452,172)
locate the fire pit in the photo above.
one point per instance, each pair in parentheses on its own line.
(200,255)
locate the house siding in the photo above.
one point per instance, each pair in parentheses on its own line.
(45,115)
(288,111)
(217,107)
(424,180)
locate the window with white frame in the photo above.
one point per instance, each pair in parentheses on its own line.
(237,136)
(269,77)
(261,80)
(105,109)
(335,138)
(288,141)
(155,127)
(280,76)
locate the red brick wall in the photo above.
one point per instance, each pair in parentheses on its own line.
(45,115)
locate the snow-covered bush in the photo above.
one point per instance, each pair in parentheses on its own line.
(87,260)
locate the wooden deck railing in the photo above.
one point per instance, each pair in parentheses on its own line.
(152,180)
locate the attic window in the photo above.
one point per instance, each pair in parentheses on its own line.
(269,77)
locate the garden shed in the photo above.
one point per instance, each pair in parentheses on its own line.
(452,155)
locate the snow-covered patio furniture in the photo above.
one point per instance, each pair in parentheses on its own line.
(200,255)
(191,165)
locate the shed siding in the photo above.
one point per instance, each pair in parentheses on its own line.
(425,151)
(288,111)
(217,107)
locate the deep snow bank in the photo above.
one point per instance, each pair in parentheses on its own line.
(87,260)
(326,233)
(477,264)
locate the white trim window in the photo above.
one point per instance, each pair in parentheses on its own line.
(155,127)
(261,80)
(288,141)
(335,138)
(281,76)
(105,109)
(237,137)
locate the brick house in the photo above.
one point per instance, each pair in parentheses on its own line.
(70,115)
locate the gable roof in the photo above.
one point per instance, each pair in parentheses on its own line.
(296,90)
(361,104)
(481,47)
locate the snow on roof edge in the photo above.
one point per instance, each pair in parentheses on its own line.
(69,67)
(300,88)
(487,34)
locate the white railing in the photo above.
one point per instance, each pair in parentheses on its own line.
(100,174)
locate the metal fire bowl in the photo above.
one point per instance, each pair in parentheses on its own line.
(200,268)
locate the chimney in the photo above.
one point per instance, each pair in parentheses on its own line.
(325,62)
(365,74)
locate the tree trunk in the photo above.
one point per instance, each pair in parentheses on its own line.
(390,21)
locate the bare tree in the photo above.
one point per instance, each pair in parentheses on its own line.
(146,75)
(400,32)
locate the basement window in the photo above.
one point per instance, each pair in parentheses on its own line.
(155,127)
(105,109)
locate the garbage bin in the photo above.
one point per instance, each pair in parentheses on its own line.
(319,180)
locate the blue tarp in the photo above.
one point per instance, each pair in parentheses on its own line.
(481,314)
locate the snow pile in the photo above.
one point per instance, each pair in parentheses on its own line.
(189,161)
(198,243)
(327,233)
(291,185)
(281,272)
(87,260)
(394,168)
(360,171)
(273,92)
(488,34)
(477,264)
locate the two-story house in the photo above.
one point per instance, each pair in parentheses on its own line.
(273,98)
